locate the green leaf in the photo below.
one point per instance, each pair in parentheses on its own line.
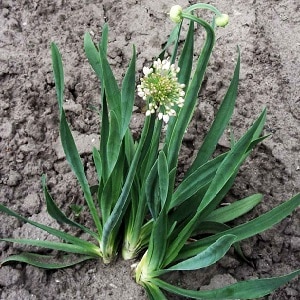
(114,142)
(178,242)
(47,261)
(112,189)
(163,178)
(209,256)
(173,39)
(120,207)
(98,163)
(153,292)
(220,122)
(92,55)
(128,94)
(113,94)
(233,210)
(230,164)
(151,192)
(196,180)
(87,249)
(129,147)
(250,289)
(60,234)
(226,170)
(158,243)
(58,75)
(152,147)
(74,160)
(67,140)
(104,137)
(104,38)
(185,62)
(246,230)
(58,215)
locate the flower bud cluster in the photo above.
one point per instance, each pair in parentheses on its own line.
(161,89)
(176,13)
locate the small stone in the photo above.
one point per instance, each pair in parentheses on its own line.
(295,243)
(9,276)
(70,105)
(20,294)
(229,262)
(219,281)
(6,130)
(84,143)
(291,292)
(32,203)
(13,178)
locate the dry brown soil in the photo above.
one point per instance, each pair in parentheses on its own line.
(268,33)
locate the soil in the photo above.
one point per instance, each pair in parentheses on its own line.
(268,33)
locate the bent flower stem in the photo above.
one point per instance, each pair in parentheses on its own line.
(161,89)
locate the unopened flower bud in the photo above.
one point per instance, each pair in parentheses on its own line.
(175,13)
(222,20)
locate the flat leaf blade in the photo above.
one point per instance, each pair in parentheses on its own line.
(231,163)
(246,230)
(74,160)
(58,74)
(114,142)
(234,210)
(60,234)
(250,289)
(47,261)
(58,215)
(92,55)
(128,94)
(220,122)
(208,257)
(163,178)
(87,249)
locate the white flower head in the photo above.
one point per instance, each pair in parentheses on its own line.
(147,71)
(176,13)
(222,20)
(166,118)
(161,89)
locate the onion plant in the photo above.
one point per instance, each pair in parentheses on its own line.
(138,207)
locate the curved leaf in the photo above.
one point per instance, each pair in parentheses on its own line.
(233,210)
(250,289)
(220,122)
(88,249)
(58,215)
(58,233)
(244,231)
(58,74)
(67,139)
(163,178)
(196,180)
(209,256)
(128,94)
(47,261)
(231,162)
(92,55)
